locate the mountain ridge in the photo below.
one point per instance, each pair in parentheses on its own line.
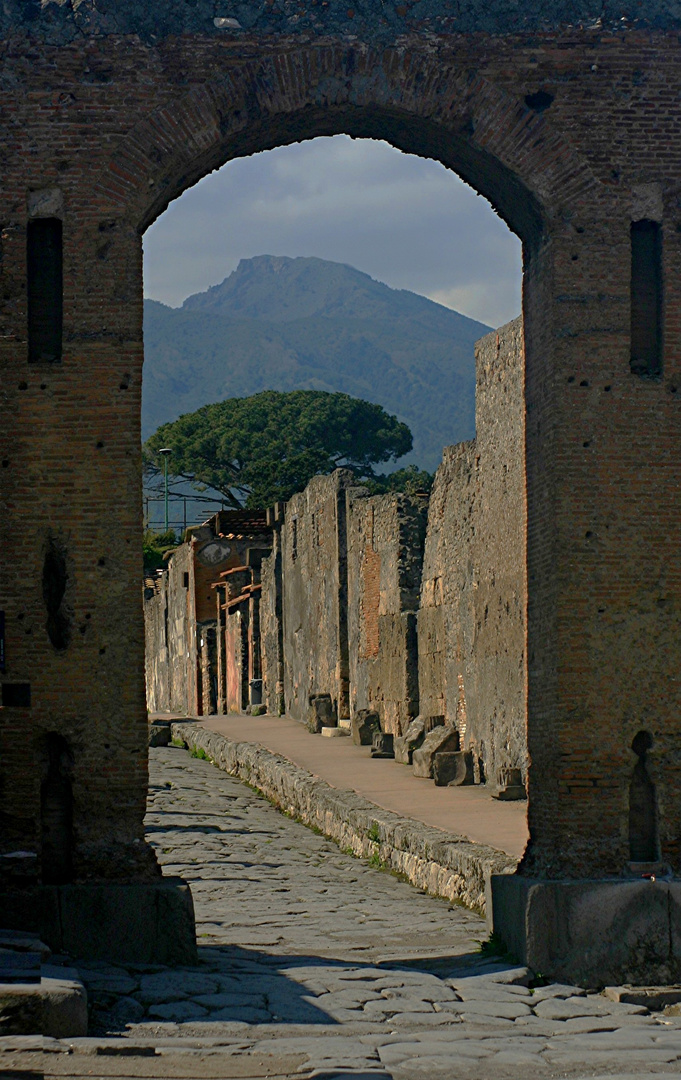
(285,323)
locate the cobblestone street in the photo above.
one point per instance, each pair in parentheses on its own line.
(315,963)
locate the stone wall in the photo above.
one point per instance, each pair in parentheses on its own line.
(314,605)
(472,622)
(148,99)
(171,641)
(184,658)
(385,552)
(236,652)
(271,620)
(444,608)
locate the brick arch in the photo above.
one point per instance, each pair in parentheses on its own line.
(506,151)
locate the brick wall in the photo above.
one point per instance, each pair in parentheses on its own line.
(571,133)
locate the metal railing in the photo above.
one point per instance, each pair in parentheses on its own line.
(183,519)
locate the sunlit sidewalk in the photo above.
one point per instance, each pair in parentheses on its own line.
(467,811)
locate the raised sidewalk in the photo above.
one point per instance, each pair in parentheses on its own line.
(445,840)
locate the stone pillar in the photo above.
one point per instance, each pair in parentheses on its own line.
(71,572)
(604,594)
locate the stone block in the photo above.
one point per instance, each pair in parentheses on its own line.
(593,932)
(382,745)
(149,922)
(453,769)
(321,713)
(335,732)
(20,967)
(55,1007)
(442,739)
(511,786)
(365,724)
(654,998)
(405,745)
(21,941)
(159,735)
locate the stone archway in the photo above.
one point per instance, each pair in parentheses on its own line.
(103,131)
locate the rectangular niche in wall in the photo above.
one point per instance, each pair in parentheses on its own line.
(646,299)
(45,289)
(16,695)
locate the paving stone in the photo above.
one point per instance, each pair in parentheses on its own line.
(557,990)
(174,986)
(225,1001)
(306,951)
(178,1011)
(514,1058)
(126,1010)
(607,1058)
(499,973)
(509,1010)
(492,994)
(244,1014)
(569,1008)
(583,1024)
(423,1020)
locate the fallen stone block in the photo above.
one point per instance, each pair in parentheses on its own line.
(382,745)
(442,739)
(405,745)
(511,786)
(453,769)
(334,732)
(414,736)
(365,724)
(321,713)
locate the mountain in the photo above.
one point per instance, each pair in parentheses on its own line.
(289,324)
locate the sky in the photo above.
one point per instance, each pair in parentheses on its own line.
(406,221)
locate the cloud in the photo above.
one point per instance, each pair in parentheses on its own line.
(405,220)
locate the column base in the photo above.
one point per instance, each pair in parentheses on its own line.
(591,933)
(140,923)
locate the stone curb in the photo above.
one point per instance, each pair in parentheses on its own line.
(443,864)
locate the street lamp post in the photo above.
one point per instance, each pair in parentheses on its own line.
(165,452)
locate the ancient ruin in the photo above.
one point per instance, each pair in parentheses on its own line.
(566,121)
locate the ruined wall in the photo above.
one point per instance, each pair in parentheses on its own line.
(498,676)
(444,618)
(184,657)
(271,638)
(472,622)
(155,647)
(171,642)
(111,111)
(208,668)
(385,551)
(236,667)
(314,602)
